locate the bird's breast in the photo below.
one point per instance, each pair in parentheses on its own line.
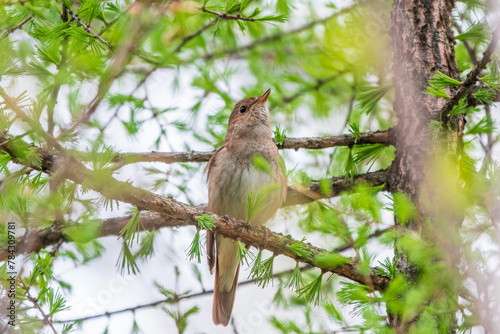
(235,180)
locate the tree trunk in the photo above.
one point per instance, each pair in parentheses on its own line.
(422,43)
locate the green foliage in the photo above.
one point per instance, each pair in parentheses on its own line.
(57,302)
(312,291)
(438,83)
(206,222)
(357,295)
(354,130)
(485,96)
(350,167)
(131,230)
(126,260)
(369,154)
(279,135)
(389,268)
(243,255)
(462,108)
(441,80)
(437,91)
(285,326)
(256,202)
(41,271)
(260,163)
(369,96)
(301,249)
(334,312)
(194,249)
(330,260)
(8,60)
(402,206)
(146,249)
(296,282)
(435,129)
(484,126)
(476,33)
(262,271)
(181,317)
(492,81)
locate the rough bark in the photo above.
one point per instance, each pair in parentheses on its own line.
(423,43)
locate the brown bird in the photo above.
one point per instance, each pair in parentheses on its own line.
(234,176)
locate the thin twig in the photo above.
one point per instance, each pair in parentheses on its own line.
(277,36)
(11,3)
(488,148)
(179,47)
(471,79)
(193,35)
(225,16)
(46,319)
(120,60)
(172,299)
(319,83)
(112,22)
(470,49)
(208,292)
(87,27)
(19,26)
(377,137)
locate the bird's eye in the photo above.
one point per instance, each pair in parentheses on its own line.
(243,109)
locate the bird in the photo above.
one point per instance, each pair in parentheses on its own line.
(234,177)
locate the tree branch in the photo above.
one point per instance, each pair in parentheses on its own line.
(193,35)
(175,298)
(471,79)
(378,137)
(46,320)
(87,27)
(318,84)
(19,26)
(225,16)
(277,36)
(296,196)
(470,49)
(180,214)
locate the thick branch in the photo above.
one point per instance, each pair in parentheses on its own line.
(377,137)
(471,79)
(296,196)
(180,214)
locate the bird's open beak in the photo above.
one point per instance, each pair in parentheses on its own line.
(263,97)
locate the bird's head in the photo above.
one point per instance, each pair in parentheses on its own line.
(250,116)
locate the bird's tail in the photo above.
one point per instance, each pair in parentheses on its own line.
(224,290)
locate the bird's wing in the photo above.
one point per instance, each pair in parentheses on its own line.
(211,235)
(211,161)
